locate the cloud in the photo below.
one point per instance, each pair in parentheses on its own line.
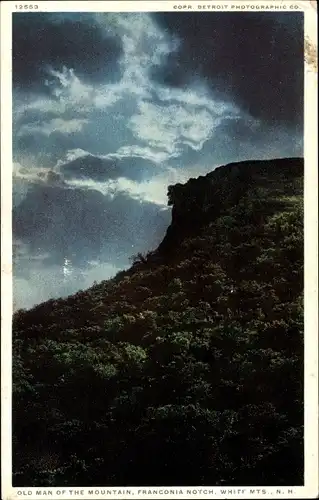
(102,168)
(89,167)
(56,125)
(169,126)
(144,44)
(42,41)
(153,190)
(113,175)
(157,155)
(73,154)
(134,117)
(255,60)
(69,97)
(82,224)
(110,108)
(36,176)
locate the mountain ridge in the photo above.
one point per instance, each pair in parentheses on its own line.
(193,356)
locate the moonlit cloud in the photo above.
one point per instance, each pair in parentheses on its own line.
(144,44)
(56,125)
(154,154)
(71,155)
(153,190)
(166,127)
(111,108)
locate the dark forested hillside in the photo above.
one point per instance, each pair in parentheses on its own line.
(187,369)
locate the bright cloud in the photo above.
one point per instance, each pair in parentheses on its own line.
(160,131)
(71,155)
(168,126)
(55,125)
(153,190)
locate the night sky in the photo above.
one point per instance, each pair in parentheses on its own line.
(109,109)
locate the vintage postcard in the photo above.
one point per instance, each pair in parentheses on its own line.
(159,249)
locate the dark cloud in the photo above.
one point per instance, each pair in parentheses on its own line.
(237,140)
(256,60)
(86,225)
(137,168)
(47,149)
(41,41)
(34,116)
(51,178)
(101,169)
(90,167)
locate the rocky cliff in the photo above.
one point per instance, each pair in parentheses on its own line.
(203,199)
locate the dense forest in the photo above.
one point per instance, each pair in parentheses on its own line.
(187,368)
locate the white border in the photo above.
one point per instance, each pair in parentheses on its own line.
(310,490)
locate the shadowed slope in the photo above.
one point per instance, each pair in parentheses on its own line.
(186,369)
